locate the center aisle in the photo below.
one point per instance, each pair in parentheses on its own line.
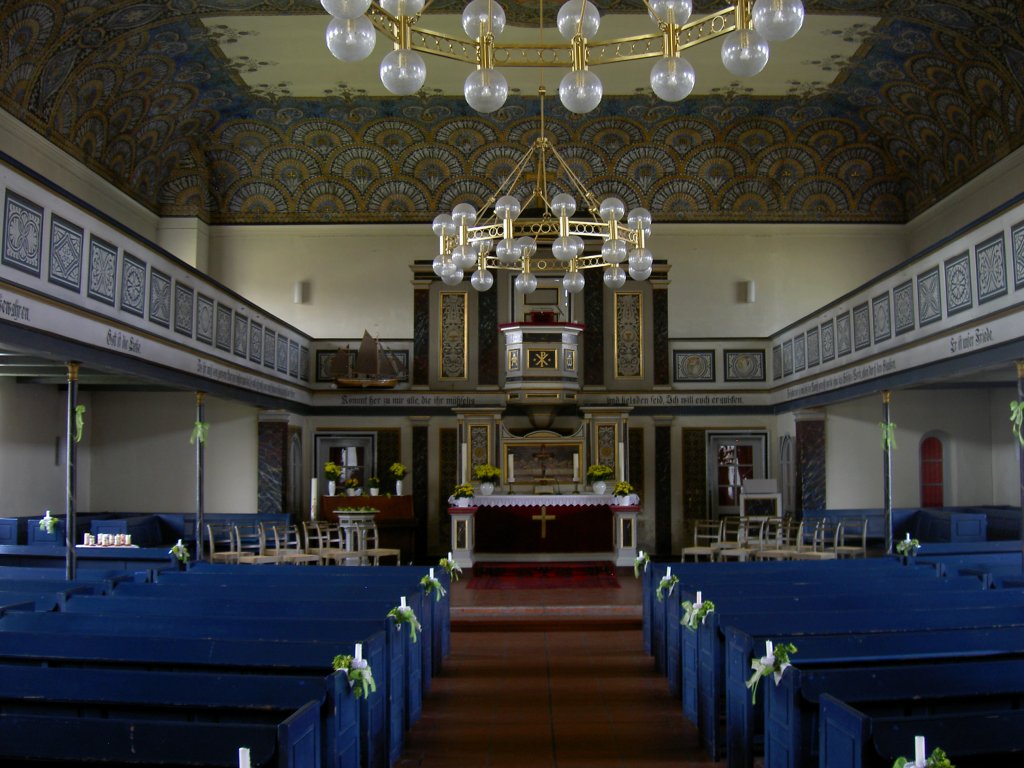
(530,697)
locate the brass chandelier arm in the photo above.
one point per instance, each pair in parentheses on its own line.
(559,54)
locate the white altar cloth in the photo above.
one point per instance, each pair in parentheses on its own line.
(551,499)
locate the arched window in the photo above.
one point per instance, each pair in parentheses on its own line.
(932,474)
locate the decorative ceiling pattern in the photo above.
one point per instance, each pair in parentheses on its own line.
(140,93)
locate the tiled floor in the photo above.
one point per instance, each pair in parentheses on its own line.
(513,694)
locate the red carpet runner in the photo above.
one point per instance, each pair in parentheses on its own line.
(543,576)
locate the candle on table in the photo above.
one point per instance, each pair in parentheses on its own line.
(359,651)
(919,758)
(243,758)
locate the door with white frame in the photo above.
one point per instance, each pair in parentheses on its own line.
(733,457)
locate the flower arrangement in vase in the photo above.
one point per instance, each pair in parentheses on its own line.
(373,483)
(598,476)
(398,472)
(333,473)
(462,496)
(623,492)
(488,475)
(351,486)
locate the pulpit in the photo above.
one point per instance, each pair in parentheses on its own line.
(544,527)
(394,518)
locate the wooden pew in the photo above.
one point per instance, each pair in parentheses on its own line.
(852,739)
(905,682)
(47,639)
(745,720)
(139,716)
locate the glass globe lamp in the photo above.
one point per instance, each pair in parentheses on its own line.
(744,52)
(476,15)
(614,251)
(573,282)
(508,251)
(614,277)
(580,91)
(351,39)
(482,280)
(526,283)
(508,207)
(464,256)
(403,72)
(345,9)
(450,274)
(485,90)
(676,11)
(569,19)
(612,209)
(778,19)
(672,78)
(402,7)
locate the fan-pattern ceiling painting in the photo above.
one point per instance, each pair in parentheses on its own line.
(225,110)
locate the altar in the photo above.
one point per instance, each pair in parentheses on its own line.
(544,527)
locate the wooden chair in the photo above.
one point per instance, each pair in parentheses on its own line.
(706,534)
(288,546)
(251,544)
(221,544)
(319,542)
(750,538)
(852,538)
(822,545)
(730,537)
(781,543)
(369,540)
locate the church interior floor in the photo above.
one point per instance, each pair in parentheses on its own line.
(527,686)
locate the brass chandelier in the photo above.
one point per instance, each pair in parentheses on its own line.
(746,27)
(499,238)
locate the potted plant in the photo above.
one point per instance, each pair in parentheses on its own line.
(373,483)
(333,473)
(598,476)
(462,496)
(488,475)
(351,485)
(623,492)
(398,472)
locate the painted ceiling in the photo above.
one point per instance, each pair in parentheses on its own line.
(233,111)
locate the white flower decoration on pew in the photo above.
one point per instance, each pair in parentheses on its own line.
(449,564)
(641,563)
(180,552)
(695,614)
(432,585)
(668,582)
(360,676)
(908,547)
(48,523)
(937,759)
(404,614)
(774,662)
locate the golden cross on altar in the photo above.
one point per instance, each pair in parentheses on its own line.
(543,518)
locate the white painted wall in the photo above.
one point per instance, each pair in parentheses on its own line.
(977,456)
(142,460)
(32,451)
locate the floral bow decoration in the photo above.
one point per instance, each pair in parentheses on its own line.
(1017,419)
(199,432)
(937,759)
(695,614)
(453,568)
(667,583)
(888,434)
(48,523)
(908,547)
(433,586)
(403,614)
(180,552)
(774,663)
(641,563)
(79,422)
(360,676)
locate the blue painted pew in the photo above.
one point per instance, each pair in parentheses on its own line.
(49,645)
(852,739)
(186,697)
(791,707)
(745,720)
(350,601)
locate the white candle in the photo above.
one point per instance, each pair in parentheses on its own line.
(243,758)
(908,537)
(403,601)
(919,758)
(463,468)
(698,598)
(769,649)
(359,651)
(511,468)
(668,572)
(312,499)
(575,467)
(449,557)
(622,462)
(431,573)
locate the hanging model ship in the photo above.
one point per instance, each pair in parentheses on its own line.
(373,367)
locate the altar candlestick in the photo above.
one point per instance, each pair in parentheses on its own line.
(463,468)
(244,760)
(919,758)
(312,499)
(622,462)
(511,468)
(575,467)
(359,651)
